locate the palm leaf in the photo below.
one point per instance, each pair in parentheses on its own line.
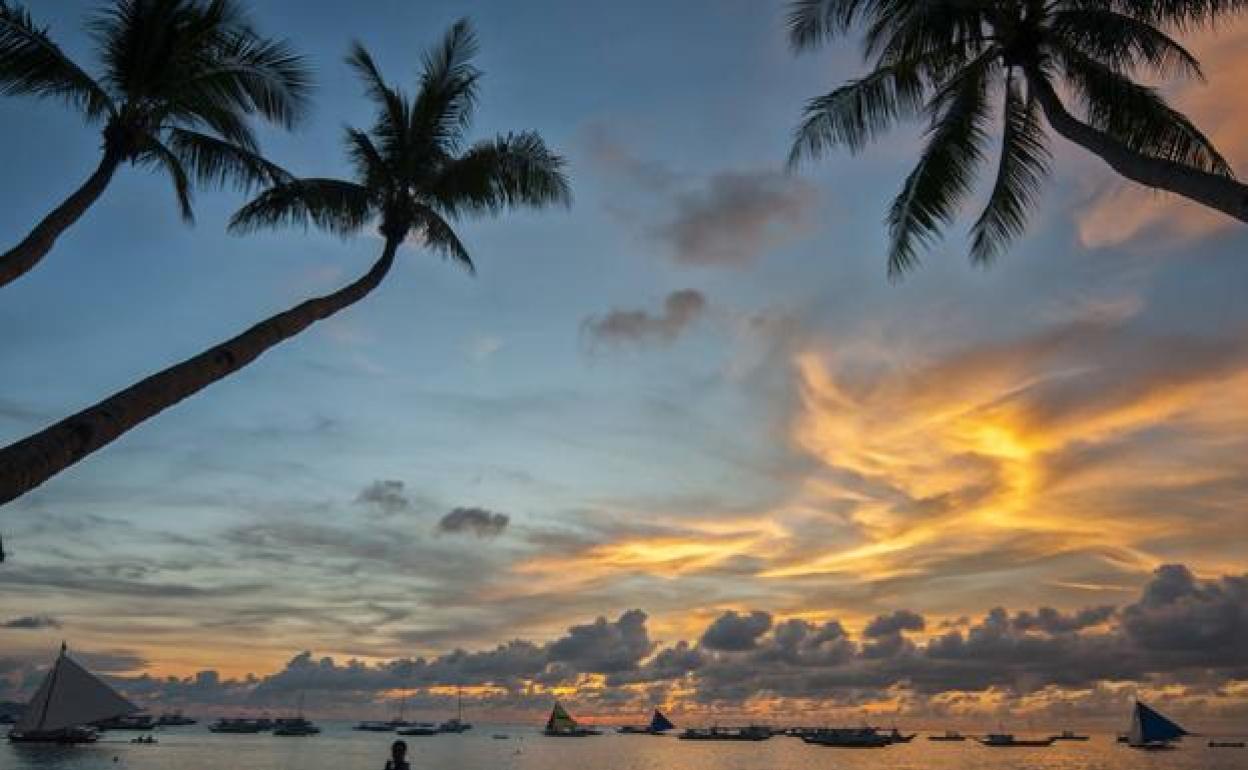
(440,236)
(1021,170)
(1137,115)
(1122,42)
(158,155)
(340,207)
(31,64)
(946,168)
(447,95)
(813,22)
(511,170)
(216,162)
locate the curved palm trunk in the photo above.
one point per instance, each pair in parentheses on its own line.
(36,458)
(17,261)
(1217,192)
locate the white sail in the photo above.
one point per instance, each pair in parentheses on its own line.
(1135,736)
(69,696)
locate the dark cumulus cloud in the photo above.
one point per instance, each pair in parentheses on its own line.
(680,310)
(735,632)
(31,622)
(736,216)
(480,522)
(729,219)
(386,495)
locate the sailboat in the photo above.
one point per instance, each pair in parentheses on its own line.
(659,725)
(562,725)
(457,723)
(68,700)
(1150,730)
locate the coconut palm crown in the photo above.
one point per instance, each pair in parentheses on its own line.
(975,68)
(178,83)
(413,169)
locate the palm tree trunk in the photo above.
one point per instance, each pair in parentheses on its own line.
(15,262)
(36,458)
(1217,192)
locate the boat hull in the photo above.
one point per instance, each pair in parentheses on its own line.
(61,737)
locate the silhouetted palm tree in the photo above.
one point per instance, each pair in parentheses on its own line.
(179,80)
(412,174)
(949,61)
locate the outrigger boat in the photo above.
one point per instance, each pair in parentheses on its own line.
(659,725)
(948,735)
(751,733)
(848,738)
(1069,735)
(562,725)
(1151,731)
(67,701)
(1006,740)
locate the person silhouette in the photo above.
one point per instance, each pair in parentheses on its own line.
(398,757)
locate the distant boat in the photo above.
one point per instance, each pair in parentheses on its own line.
(947,735)
(237,726)
(562,725)
(456,724)
(659,725)
(419,729)
(1227,744)
(751,733)
(1150,730)
(174,719)
(296,726)
(896,736)
(500,736)
(67,701)
(848,738)
(374,726)
(142,722)
(1069,735)
(1005,740)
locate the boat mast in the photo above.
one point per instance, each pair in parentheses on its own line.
(56,669)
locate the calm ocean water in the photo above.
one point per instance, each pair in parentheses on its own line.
(340,748)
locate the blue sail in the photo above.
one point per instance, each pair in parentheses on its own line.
(1155,727)
(659,723)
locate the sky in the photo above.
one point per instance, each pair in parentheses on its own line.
(681,444)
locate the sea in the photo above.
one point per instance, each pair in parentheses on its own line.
(339,747)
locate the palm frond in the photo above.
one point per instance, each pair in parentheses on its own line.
(903,31)
(946,169)
(1123,42)
(447,95)
(511,170)
(858,112)
(813,22)
(215,162)
(31,64)
(1020,172)
(369,164)
(1137,115)
(1181,14)
(331,204)
(440,236)
(252,74)
(393,110)
(158,155)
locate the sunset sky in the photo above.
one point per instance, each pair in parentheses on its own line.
(684,443)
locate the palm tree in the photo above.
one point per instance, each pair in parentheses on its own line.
(412,172)
(178,82)
(950,61)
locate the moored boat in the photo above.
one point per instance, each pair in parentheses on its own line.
(295,727)
(947,735)
(141,722)
(1151,731)
(848,738)
(716,733)
(562,725)
(1006,740)
(1227,744)
(419,729)
(374,726)
(1069,735)
(175,719)
(68,700)
(659,725)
